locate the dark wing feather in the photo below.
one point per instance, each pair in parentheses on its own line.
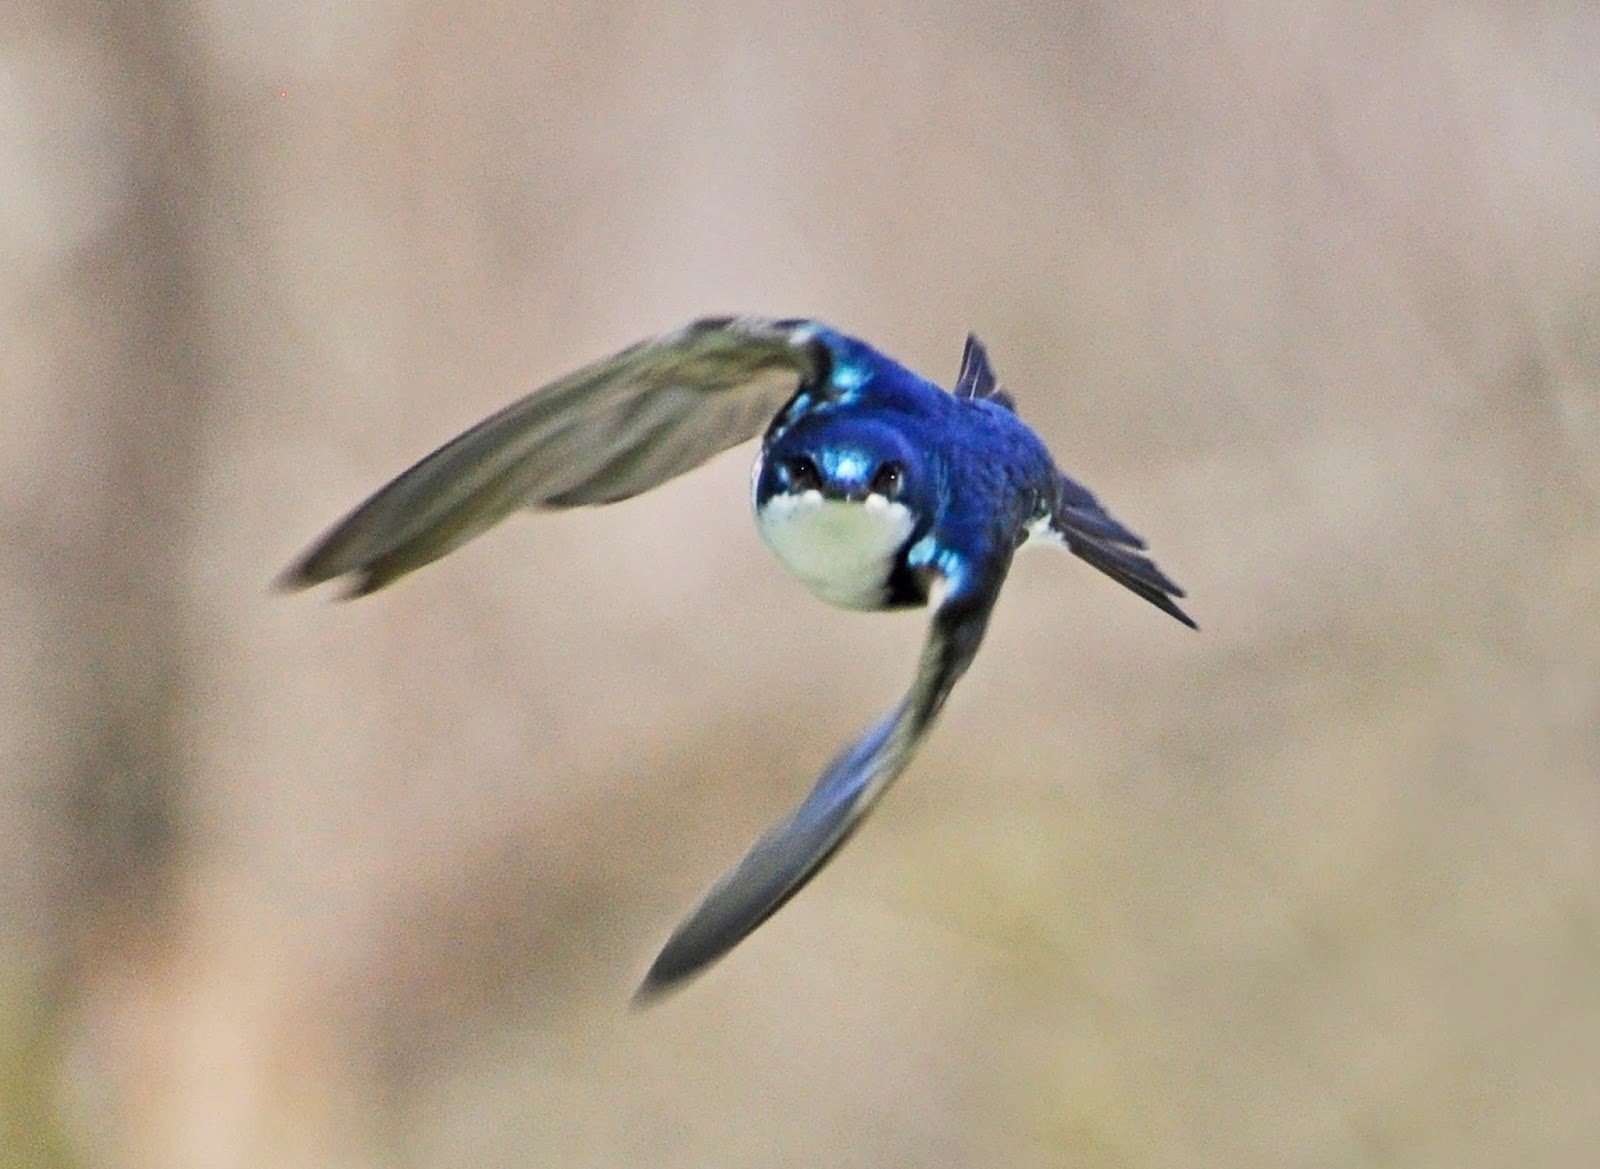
(976,379)
(1092,533)
(792,852)
(601,434)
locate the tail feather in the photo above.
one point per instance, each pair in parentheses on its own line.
(1092,534)
(1134,572)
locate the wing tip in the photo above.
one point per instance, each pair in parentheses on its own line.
(308,572)
(648,994)
(685,957)
(294,579)
(658,985)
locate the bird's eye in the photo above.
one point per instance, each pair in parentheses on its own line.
(888,479)
(802,474)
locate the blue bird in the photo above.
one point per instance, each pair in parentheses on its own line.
(873,486)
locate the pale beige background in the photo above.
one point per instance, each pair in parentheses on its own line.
(1310,294)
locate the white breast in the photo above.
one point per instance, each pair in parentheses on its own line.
(841,551)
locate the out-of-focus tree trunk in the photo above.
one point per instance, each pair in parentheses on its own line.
(129,366)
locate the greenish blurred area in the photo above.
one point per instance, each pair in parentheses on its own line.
(1309,294)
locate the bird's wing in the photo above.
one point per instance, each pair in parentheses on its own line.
(1093,534)
(792,852)
(976,379)
(603,433)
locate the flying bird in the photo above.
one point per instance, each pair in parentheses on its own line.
(873,486)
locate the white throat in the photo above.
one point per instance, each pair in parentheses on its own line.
(841,550)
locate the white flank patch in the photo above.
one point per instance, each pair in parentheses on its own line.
(841,551)
(1042,535)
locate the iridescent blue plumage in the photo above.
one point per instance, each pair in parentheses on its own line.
(875,487)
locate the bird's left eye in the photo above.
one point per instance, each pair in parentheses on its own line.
(888,479)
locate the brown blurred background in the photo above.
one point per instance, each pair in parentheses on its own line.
(1309,293)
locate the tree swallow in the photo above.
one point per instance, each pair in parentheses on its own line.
(873,486)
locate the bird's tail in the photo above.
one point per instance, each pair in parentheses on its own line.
(1093,534)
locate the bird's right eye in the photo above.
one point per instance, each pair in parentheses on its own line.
(801,474)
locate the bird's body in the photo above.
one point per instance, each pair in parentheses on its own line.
(973,476)
(874,487)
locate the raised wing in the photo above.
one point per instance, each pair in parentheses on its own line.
(976,379)
(604,433)
(792,852)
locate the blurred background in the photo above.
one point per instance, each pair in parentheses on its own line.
(1310,294)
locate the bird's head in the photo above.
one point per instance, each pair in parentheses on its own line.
(850,461)
(839,501)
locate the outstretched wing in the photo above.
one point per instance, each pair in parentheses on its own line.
(604,433)
(1093,534)
(792,852)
